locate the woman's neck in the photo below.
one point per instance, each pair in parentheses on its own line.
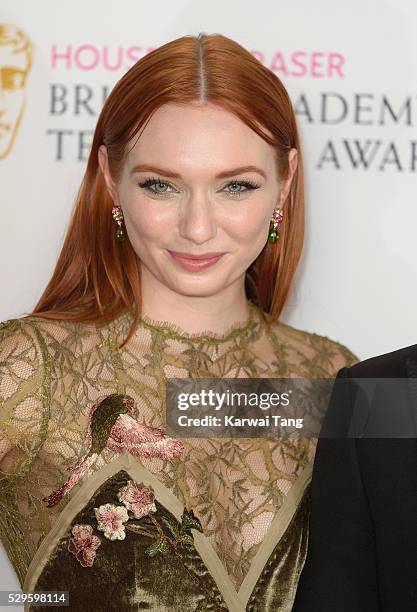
(194,315)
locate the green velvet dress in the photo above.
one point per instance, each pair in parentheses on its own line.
(97,500)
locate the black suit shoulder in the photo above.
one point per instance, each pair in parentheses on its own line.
(388,365)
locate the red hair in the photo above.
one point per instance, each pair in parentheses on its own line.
(97,278)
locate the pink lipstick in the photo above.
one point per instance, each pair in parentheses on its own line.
(195,263)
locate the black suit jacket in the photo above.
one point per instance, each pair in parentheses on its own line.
(362,553)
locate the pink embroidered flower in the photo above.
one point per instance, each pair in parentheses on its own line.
(84,544)
(138,498)
(110,520)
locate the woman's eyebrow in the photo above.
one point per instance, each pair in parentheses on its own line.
(170,174)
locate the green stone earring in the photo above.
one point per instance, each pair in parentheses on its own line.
(277,217)
(120,233)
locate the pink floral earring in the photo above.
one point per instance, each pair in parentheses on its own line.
(277,217)
(120,233)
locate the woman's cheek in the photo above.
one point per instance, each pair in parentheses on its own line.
(248,229)
(145,219)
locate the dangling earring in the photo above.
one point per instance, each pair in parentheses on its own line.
(277,217)
(120,233)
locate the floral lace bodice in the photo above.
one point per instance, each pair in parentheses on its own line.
(53,372)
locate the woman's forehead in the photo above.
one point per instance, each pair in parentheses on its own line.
(190,136)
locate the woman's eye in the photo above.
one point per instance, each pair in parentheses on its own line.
(236,187)
(160,185)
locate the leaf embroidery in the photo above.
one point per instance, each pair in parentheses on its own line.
(159,546)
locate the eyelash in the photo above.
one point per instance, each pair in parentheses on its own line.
(152,181)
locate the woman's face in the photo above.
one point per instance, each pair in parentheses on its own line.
(197,181)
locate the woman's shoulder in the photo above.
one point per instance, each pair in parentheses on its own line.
(24,389)
(20,348)
(318,353)
(34,351)
(44,337)
(25,356)
(32,324)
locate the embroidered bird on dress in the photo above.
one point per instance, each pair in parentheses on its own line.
(113,427)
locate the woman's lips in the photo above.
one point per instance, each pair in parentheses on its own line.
(195,265)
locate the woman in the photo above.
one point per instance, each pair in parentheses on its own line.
(196,151)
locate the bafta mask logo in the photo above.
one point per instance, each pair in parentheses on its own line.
(15,65)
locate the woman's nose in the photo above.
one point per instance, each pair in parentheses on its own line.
(197,219)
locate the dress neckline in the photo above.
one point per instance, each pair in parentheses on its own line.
(173,331)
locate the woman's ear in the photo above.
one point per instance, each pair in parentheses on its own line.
(293,162)
(103,162)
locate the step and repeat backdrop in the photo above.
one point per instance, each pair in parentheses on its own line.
(350,69)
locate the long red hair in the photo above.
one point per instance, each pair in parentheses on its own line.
(97,278)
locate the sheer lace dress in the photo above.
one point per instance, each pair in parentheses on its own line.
(52,372)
